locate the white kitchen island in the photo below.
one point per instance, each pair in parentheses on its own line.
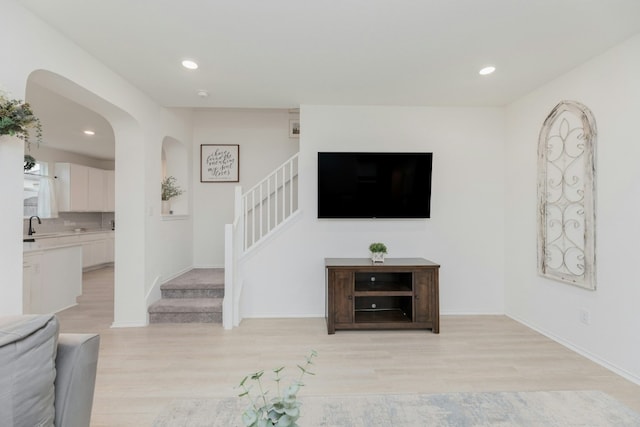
(52,278)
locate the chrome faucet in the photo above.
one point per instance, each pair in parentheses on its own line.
(31,230)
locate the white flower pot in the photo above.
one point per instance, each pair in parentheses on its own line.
(377,257)
(166,207)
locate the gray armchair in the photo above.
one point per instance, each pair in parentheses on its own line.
(46,378)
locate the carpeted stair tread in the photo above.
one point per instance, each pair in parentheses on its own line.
(171,285)
(193,297)
(198,277)
(186,305)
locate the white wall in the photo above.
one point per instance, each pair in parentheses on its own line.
(139,127)
(169,248)
(610,87)
(263,136)
(465,234)
(11,153)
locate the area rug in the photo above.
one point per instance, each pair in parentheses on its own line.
(490,409)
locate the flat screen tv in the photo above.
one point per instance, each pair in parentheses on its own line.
(374,185)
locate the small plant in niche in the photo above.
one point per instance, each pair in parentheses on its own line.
(378,251)
(283,410)
(170,189)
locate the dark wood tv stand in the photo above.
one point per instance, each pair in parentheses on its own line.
(401,293)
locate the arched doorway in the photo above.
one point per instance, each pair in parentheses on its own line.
(65,105)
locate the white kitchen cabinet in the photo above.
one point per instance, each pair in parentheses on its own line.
(72,187)
(111,191)
(94,252)
(94,248)
(52,279)
(31,280)
(26,286)
(61,282)
(97,247)
(111,255)
(97,190)
(84,189)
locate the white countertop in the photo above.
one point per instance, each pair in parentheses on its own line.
(36,246)
(68,233)
(33,247)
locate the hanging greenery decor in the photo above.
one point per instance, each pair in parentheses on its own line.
(17,119)
(29,162)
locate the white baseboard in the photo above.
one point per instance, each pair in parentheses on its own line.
(471,313)
(178,273)
(208,266)
(154,293)
(581,351)
(292,316)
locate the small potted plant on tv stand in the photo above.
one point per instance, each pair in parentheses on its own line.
(378,250)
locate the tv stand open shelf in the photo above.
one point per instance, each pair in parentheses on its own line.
(401,293)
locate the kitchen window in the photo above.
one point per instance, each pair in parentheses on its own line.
(39,197)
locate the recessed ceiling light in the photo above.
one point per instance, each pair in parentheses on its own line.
(487,70)
(191,65)
(203,93)
(89,132)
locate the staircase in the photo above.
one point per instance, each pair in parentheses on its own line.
(194,297)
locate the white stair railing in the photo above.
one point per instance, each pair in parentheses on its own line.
(270,202)
(257,213)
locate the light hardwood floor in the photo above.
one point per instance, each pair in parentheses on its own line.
(142,369)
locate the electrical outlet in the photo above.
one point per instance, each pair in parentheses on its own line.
(585,318)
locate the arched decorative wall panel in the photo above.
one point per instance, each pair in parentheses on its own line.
(567,195)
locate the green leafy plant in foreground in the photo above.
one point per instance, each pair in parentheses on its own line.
(283,410)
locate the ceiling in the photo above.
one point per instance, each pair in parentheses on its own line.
(64,122)
(284,53)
